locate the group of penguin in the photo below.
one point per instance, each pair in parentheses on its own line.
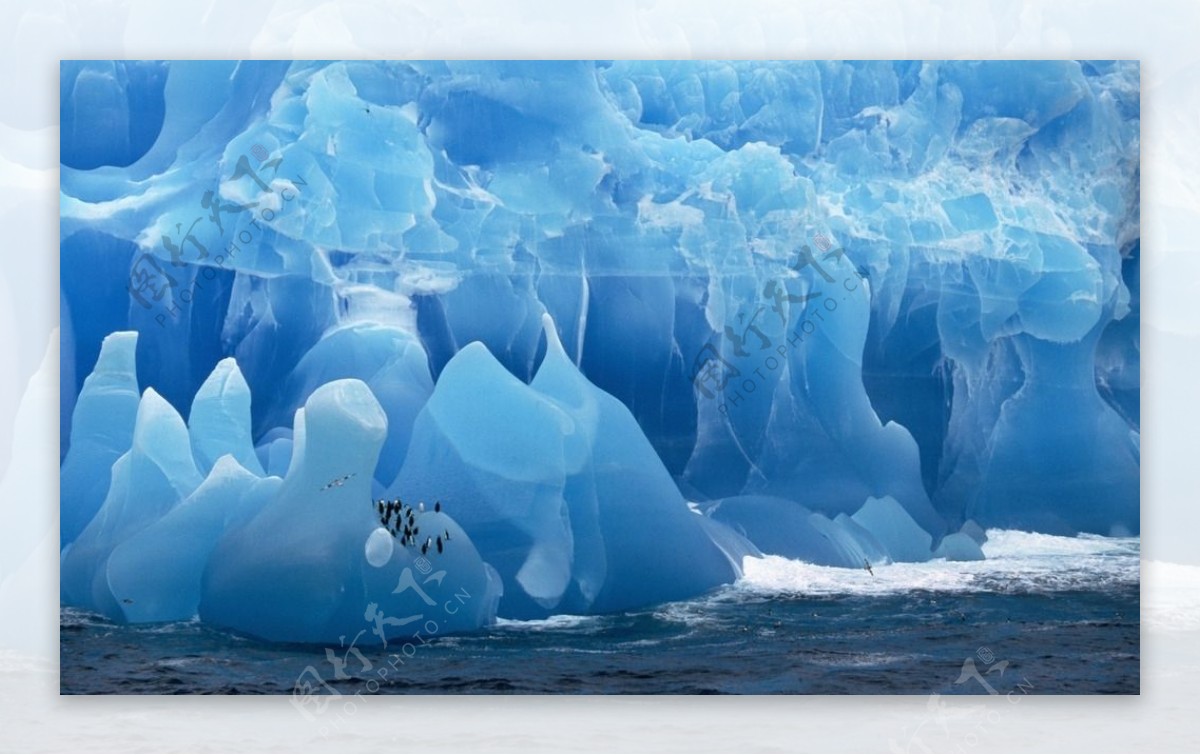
(400,520)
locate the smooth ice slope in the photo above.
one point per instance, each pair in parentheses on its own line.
(781,527)
(559,488)
(654,547)
(152,477)
(219,422)
(102,430)
(155,574)
(298,571)
(389,360)
(891,525)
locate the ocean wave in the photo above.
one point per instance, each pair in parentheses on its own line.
(1017,562)
(556,622)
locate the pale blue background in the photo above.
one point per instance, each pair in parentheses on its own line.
(35,34)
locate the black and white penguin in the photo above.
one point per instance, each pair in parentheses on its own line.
(439,543)
(437,506)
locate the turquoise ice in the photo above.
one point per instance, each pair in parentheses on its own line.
(629,322)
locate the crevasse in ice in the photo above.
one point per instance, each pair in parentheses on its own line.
(629,321)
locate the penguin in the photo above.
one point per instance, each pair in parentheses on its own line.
(424,547)
(379,506)
(421,506)
(416,530)
(437,506)
(446,535)
(439,543)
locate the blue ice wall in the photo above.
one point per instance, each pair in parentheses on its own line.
(813,282)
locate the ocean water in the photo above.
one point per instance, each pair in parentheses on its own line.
(1043,615)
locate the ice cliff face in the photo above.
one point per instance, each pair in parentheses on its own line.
(829,303)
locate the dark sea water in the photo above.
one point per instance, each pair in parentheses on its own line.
(1043,615)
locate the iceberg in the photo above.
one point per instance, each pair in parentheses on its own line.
(275,451)
(155,574)
(306,566)
(563,493)
(892,527)
(619,325)
(102,425)
(392,363)
(148,480)
(219,422)
(959,546)
(780,527)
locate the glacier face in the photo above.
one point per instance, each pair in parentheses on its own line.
(629,321)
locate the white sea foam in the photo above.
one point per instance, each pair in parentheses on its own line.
(556,622)
(1016,562)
